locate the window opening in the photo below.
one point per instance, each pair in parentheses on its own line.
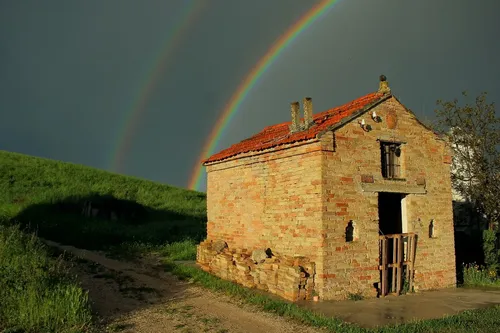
(391,153)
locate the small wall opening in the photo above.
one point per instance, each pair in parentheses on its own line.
(432,229)
(350,231)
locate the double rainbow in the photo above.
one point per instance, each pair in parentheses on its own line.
(131,120)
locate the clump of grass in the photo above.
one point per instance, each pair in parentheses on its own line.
(479,276)
(36,292)
(355,296)
(184,250)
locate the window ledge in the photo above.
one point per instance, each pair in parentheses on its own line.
(395,187)
(395,179)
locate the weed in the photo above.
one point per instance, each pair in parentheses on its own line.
(37,294)
(118,327)
(210,321)
(475,275)
(355,296)
(170,310)
(406,287)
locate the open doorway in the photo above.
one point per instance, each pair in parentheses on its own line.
(392,245)
(390,213)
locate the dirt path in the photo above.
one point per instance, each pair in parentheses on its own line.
(130,297)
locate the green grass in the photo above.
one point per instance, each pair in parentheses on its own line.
(48,197)
(181,250)
(36,292)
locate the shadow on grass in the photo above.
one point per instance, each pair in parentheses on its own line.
(108,221)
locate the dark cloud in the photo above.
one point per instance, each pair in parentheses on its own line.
(72,71)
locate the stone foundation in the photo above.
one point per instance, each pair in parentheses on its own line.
(291,278)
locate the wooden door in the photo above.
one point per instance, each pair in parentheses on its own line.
(397,258)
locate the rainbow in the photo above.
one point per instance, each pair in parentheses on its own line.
(250,81)
(190,12)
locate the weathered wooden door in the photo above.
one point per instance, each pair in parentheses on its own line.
(397,258)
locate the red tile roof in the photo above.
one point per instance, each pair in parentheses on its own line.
(279,134)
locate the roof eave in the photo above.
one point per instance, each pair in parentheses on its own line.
(260,151)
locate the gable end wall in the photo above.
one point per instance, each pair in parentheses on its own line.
(352,267)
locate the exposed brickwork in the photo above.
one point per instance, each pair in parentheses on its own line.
(367,178)
(298,199)
(268,201)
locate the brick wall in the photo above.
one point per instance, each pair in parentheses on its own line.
(268,201)
(351,267)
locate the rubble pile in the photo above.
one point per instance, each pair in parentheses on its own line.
(289,277)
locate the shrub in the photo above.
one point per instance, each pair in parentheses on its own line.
(491,253)
(475,275)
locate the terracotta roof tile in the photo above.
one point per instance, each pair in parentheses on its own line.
(279,134)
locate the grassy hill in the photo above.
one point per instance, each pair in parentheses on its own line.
(85,207)
(50,198)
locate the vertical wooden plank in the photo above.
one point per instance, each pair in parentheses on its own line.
(408,258)
(399,241)
(384,265)
(393,262)
(396,263)
(382,280)
(381,260)
(412,263)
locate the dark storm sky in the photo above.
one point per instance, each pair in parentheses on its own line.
(71,70)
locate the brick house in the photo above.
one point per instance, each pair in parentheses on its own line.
(334,198)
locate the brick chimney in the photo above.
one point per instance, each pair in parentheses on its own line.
(383,86)
(295,111)
(308,112)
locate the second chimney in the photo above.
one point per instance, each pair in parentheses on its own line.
(295,111)
(308,112)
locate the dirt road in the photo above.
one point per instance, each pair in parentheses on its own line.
(134,297)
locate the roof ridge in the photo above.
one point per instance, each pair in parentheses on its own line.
(279,134)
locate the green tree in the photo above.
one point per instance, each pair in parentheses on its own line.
(473,129)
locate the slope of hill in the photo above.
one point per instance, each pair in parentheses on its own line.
(91,208)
